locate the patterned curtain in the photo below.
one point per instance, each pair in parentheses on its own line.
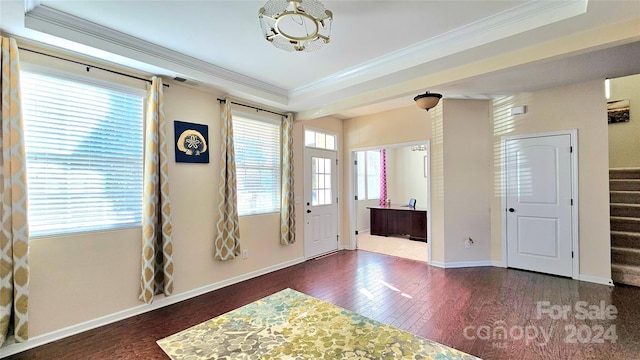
(14,238)
(157,245)
(383,177)
(287,206)
(227,242)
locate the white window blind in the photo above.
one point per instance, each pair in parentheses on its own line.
(257,150)
(368,174)
(373,174)
(84,147)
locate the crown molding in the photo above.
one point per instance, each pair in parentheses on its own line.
(60,24)
(529,16)
(350,82)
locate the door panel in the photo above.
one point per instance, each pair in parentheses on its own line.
(321,205)
(539,214)
(538,237)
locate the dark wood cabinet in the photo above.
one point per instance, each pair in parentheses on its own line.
(399,220)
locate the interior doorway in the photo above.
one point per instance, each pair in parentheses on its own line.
(405,169)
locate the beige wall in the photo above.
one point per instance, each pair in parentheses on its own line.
(387,128)
(467,179)
(465,139)
(406,178)
(83,277)
(86,276)
(398,126)
(454,154)
(624,138)
(583,107)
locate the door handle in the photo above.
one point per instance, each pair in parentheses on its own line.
(308,211)
(512,210)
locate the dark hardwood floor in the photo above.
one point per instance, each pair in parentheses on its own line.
(462,308)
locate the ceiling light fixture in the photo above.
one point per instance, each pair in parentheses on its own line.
(300,25)
(427,100)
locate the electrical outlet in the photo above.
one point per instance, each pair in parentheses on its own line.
(245,253)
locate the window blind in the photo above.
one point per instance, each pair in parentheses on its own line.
(373,175)
(257,151)
(84,148)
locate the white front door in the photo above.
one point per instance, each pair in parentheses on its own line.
(321,202)
(538,199)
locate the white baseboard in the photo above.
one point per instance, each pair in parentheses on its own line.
(595,279)
(159,302)
(498,264)
(461,264)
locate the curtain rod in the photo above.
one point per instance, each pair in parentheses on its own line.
(89,66)
(252,107)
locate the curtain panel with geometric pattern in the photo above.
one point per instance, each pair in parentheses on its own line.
(14,235)
(383,177)
(227,241)
(157,244)
(287,204)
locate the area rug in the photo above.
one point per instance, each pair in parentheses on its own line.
(292,325)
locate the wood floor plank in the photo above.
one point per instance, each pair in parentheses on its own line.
(440,304)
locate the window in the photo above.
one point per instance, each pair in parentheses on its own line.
(368,174)
(84,149)
(257,150)
(319,140)
(321,181)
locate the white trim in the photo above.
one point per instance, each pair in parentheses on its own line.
(461,264)
(575,209)
(390,146)
(525,17)
(57,23)
(454,265)
(307,184)
(159,302)
(428,170)
(84,78)
(353,225)
(575,237)
(596,280)
(531,15)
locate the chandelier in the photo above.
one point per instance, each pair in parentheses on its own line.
(300,25)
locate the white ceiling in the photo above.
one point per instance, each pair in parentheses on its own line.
(378,54)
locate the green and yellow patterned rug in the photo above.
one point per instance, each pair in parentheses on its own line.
(292,325)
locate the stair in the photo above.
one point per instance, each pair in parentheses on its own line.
(625,210)
(624,194)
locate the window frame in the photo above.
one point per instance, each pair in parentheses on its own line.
(278,123)
(111,85)
(319,132)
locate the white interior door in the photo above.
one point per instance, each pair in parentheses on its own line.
(538,194)
(321,202)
